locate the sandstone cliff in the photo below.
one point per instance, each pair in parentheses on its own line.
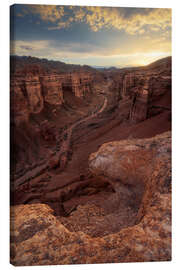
(52,89)
(147,88)
(19,103)
(30,93)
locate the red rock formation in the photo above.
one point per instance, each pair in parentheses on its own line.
(147,88)
(19,102)
(139,107)
(80,84)
(120,210)
(52,89)
(39,238)
(30,92)
(128,83)
(34,94)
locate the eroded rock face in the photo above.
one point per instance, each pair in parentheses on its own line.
(19,103)
(148,88)
(52,89)
(32,91)
(132,222)
(39,238)
(80,84)
(34,94)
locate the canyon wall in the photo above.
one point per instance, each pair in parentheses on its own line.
(33,93)
(148,90)
(30,93)
(80,84)
(109,185)
(133,95)
(19,102)
(52,89)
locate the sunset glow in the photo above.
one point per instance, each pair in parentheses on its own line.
(100,36)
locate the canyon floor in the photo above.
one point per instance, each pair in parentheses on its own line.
(90,176)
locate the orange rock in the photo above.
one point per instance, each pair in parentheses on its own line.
(39,238)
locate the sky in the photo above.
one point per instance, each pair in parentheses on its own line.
(96,36)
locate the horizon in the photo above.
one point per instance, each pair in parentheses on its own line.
(94,36)
(92,66)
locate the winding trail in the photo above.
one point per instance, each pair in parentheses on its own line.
(60,157)
(63,153)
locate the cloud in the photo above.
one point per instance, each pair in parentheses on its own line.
(131,20)
(60,25)
(136,36)
(84,53)
(52,49)
(20,47)
(47,13)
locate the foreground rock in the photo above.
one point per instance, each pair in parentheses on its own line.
(39,238)
(139,164)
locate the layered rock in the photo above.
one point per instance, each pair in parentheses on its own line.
(159,95)
(19,102)
(80,84)
(130,220)
(127,84)
(39,238)
(139,106)
(144,90)
(29,93)
(52,89)
(148,88)
(34,94)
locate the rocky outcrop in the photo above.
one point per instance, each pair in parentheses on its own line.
(144,166)
(39,238)
(132,162)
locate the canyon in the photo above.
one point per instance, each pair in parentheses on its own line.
(90,163)
(29,93)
